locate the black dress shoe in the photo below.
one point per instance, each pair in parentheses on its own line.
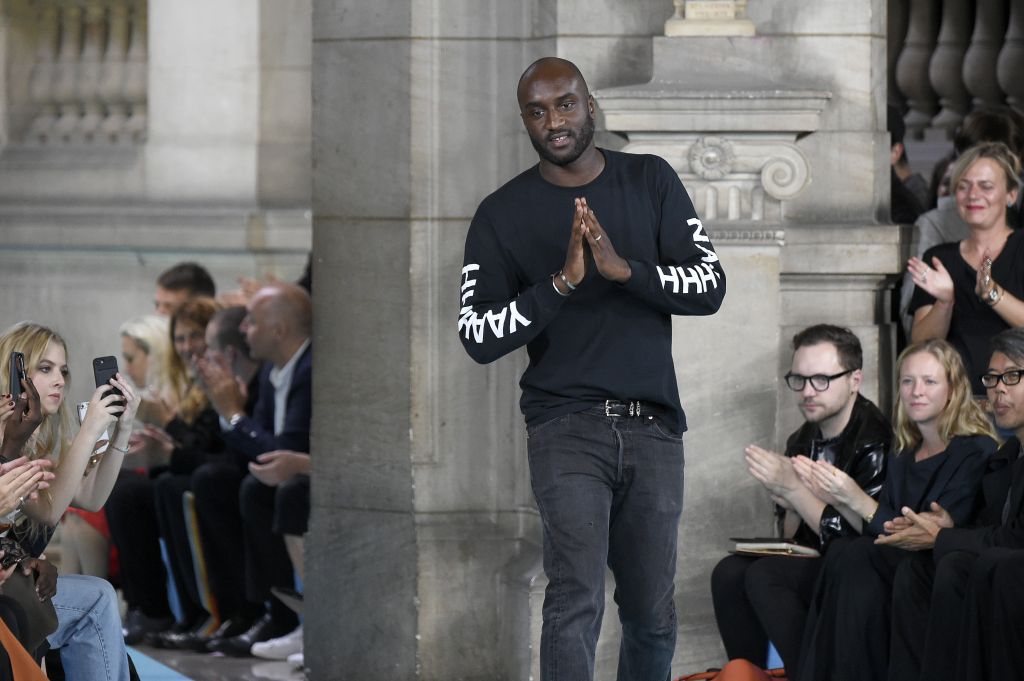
(138,625)
(199,641)
(239,646)
(156,638)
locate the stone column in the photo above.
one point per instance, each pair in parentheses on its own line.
(420,495)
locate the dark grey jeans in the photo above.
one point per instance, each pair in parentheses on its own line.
(610,491)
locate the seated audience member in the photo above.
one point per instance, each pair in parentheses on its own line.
(277,328)
(909,191)
(762,598)
(184,281)
(943,442)
(215,485)
(88,624)
(928,596)
(944,224)
(85,545)
(967,292)
(146,350)
(289,473)
(145,506)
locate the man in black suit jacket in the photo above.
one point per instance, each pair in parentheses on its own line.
(941,599)
(274,441)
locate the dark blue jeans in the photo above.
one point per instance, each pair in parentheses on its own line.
(610,491)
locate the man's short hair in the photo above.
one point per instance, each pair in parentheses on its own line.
(188,276)
(227,333)
(1011,344)
(851,356)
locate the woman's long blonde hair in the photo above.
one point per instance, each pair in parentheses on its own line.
(151,333)
(191,398)
(961,416)
(54,434)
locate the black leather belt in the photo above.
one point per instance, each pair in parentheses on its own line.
(632,408)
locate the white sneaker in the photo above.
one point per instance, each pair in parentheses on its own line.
(280,648)
(297,660)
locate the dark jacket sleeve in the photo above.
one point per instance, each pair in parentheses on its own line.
(496,314)
(688,277)
(254,435)
(195,442)
(868,469)
(977,539)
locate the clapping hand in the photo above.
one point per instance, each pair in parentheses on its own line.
(22,421)
(919,531)
(225,391)
(827,482)
(934,280)
(21,480)
(772,470)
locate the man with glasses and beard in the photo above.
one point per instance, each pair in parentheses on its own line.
(758,599)
(583,259)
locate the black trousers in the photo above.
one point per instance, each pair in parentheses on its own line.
(1005,632)
(762,599)
(245,556)
(131,515)
(169,491)
(848,625)
(266,560)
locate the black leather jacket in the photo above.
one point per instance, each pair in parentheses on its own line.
(859,451)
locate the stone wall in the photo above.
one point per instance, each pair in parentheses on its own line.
(217,172)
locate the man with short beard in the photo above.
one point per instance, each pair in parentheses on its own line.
(762,598)
(583,258)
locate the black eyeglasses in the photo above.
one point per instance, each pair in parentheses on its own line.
(1011,377)
(819,382)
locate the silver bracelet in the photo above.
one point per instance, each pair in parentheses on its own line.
(554,286)
(561,275)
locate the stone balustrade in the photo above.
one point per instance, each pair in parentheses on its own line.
(87,80)
(947,57)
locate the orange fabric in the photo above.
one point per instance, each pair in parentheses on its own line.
(738,670)
(23,666)
(98,520)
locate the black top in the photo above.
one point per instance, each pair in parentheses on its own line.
(605,341)
(860,451)
(951,477)
(974,323)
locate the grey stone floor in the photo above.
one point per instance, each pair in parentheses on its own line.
(209,667)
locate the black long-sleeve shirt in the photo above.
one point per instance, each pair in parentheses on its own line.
(606,340)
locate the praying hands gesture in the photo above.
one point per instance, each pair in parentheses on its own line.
(587,230)
(609,264)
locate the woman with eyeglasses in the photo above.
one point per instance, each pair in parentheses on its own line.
(968,291)
(943,441)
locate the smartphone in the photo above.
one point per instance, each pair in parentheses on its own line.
(104,369)
(17,373)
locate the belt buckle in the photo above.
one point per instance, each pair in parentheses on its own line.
(634,406)
(608,407)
